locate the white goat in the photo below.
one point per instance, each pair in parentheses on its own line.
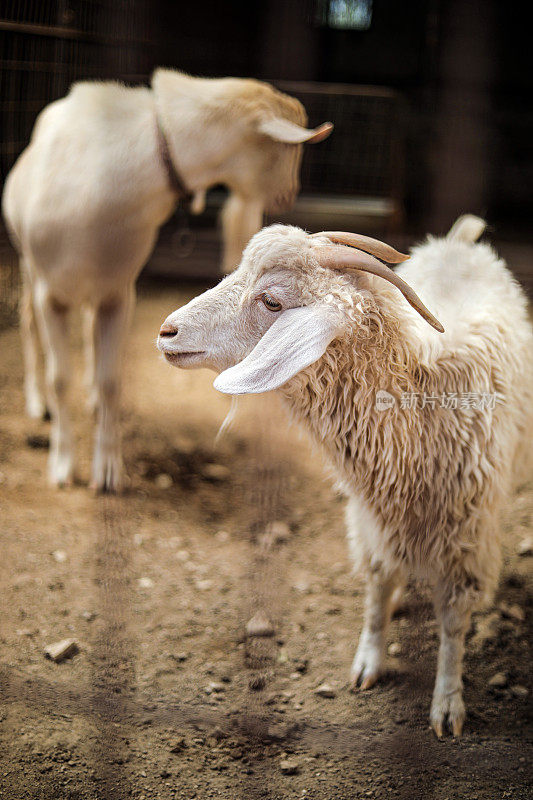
(86,198)
(424,479)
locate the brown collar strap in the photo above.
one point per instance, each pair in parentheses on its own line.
(175,180)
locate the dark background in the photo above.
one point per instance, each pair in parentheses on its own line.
(462,125)
(461,65)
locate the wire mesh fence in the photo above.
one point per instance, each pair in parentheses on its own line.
(362,156)
(45,47)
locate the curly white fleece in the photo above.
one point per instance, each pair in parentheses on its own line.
(432,478)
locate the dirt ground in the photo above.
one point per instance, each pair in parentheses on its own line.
(167,697)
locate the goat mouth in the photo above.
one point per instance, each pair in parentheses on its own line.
(179,359)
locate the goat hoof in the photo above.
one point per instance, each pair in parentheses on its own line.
(447,708)
(36,409)
(108,476)
(367,682)
(105,487)
(367,666)
(60,471)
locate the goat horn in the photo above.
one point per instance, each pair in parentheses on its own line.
(348,258)
(373,246)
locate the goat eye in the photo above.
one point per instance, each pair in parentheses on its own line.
(270,303)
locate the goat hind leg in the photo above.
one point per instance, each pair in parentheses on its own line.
(447,703)
(35,404)
(110,329)
(52,318)
(88,354)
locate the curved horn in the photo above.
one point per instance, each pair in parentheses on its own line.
(348,258)
(373,246)
(283,130)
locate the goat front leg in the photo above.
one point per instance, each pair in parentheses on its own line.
(241,219)
(35,405)
(111,325)
(52,318)
(382,595)
(88,353)
(454,611)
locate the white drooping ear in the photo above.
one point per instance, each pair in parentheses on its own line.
(283,130)
(296,339)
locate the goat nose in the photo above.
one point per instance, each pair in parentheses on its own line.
(168,330)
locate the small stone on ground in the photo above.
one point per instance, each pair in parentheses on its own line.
(325,690)
(59,651)
(259,625)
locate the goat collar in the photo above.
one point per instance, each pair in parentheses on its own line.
(176,182)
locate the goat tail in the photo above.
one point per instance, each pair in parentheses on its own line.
(467,228)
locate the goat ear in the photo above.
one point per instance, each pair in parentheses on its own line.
(295,340)
(283,130)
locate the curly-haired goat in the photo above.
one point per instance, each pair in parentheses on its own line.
(420,424)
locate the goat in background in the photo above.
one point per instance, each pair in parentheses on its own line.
(85,200)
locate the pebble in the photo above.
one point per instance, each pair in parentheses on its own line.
(519,691)
(88,616)
(204,585)
(163,481)
(525,548)
(214,686)
(259,625)
(302,587)
(59,651)
(301,665)
(59,555)
(395,649)
(499,680)
(180,656)
(27,632)
(325,690)
(216,472)
(145,583)
(289,766)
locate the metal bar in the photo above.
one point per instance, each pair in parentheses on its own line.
(336,88)
(68,33)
